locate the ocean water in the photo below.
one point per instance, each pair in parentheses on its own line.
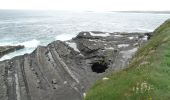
(33,28)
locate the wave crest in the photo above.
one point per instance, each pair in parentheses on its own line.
(30,44)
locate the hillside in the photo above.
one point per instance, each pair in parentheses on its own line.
(147,76)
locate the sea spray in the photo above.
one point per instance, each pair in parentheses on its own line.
(29,47)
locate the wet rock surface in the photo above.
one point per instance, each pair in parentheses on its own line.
(65,70)
(8,49)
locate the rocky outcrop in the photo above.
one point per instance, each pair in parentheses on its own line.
(66,70)
(8,49)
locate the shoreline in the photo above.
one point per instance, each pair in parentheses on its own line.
(9,49)
(72,66)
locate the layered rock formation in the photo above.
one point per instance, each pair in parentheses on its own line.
(8,49)
(66,70)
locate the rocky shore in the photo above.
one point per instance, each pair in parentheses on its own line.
(66,70)
(8,49)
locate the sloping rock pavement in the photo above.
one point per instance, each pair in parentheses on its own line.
(66,70)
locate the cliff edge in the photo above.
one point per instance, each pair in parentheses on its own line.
(66,70)
(147,77)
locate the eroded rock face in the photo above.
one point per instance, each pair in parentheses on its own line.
(63,70)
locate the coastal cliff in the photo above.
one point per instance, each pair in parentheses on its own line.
(65,70)
(145,78)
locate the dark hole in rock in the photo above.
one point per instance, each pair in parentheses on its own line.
(115,50)
(99,67)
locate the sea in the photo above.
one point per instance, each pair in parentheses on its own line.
(33,28)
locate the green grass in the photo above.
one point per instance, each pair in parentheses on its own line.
(147,76)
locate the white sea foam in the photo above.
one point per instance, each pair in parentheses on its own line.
(5,57)
(16,53)
(27,44)
(64,37)
(101,34)
(29,47)
(30,44)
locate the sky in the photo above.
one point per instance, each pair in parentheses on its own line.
(87,5)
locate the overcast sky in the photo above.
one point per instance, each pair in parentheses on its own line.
(89,5)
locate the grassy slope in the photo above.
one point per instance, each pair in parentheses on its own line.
(146,78)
